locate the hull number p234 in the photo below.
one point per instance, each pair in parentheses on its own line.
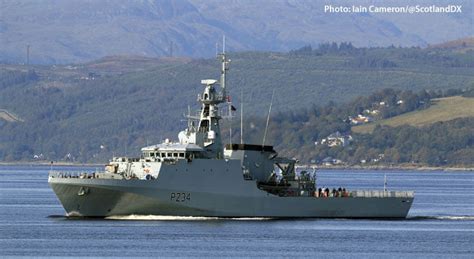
(180,196)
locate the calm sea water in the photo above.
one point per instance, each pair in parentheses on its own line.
(440,223)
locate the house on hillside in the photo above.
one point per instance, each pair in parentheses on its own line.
(336,139)
(360,119)
(38,157)
(90,76)
(371,112)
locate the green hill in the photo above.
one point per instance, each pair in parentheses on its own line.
(442,136)
(442,109)
(124,103)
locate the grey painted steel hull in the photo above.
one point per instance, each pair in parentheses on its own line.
(224,194)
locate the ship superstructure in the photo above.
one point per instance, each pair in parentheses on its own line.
(198,176)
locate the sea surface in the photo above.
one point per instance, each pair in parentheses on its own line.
(440,224)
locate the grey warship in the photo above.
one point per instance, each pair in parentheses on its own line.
(199,176)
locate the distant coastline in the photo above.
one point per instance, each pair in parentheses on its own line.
(45,163)
(390,167)
(335,167)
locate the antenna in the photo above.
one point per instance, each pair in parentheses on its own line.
(189,117)
(223,44)
(241,116)
(385,183)
(224,68)
(268,119)
(229,108)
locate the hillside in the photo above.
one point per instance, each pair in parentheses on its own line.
(460,45)
(442,109)
(60,32)
(322,134)
(122,103)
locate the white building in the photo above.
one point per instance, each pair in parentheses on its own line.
(336,139)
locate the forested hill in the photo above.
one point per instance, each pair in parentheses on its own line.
(117,104)
(403,128)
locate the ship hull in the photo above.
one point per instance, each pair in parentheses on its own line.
(107,197)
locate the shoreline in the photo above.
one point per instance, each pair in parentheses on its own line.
(45,163)
(333,167)
(388,167)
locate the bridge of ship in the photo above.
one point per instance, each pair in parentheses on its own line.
(171,151)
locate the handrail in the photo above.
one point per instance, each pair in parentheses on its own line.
(382,194)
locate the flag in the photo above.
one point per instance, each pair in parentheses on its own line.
(232,108)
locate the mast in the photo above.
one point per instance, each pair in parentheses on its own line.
(208,133)
(241,116)
(268,119)
(224,67)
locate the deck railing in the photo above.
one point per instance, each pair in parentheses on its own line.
(382,194)
(73,174)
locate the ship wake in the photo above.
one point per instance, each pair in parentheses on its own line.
(191,218)
(178,218)
(444,217)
